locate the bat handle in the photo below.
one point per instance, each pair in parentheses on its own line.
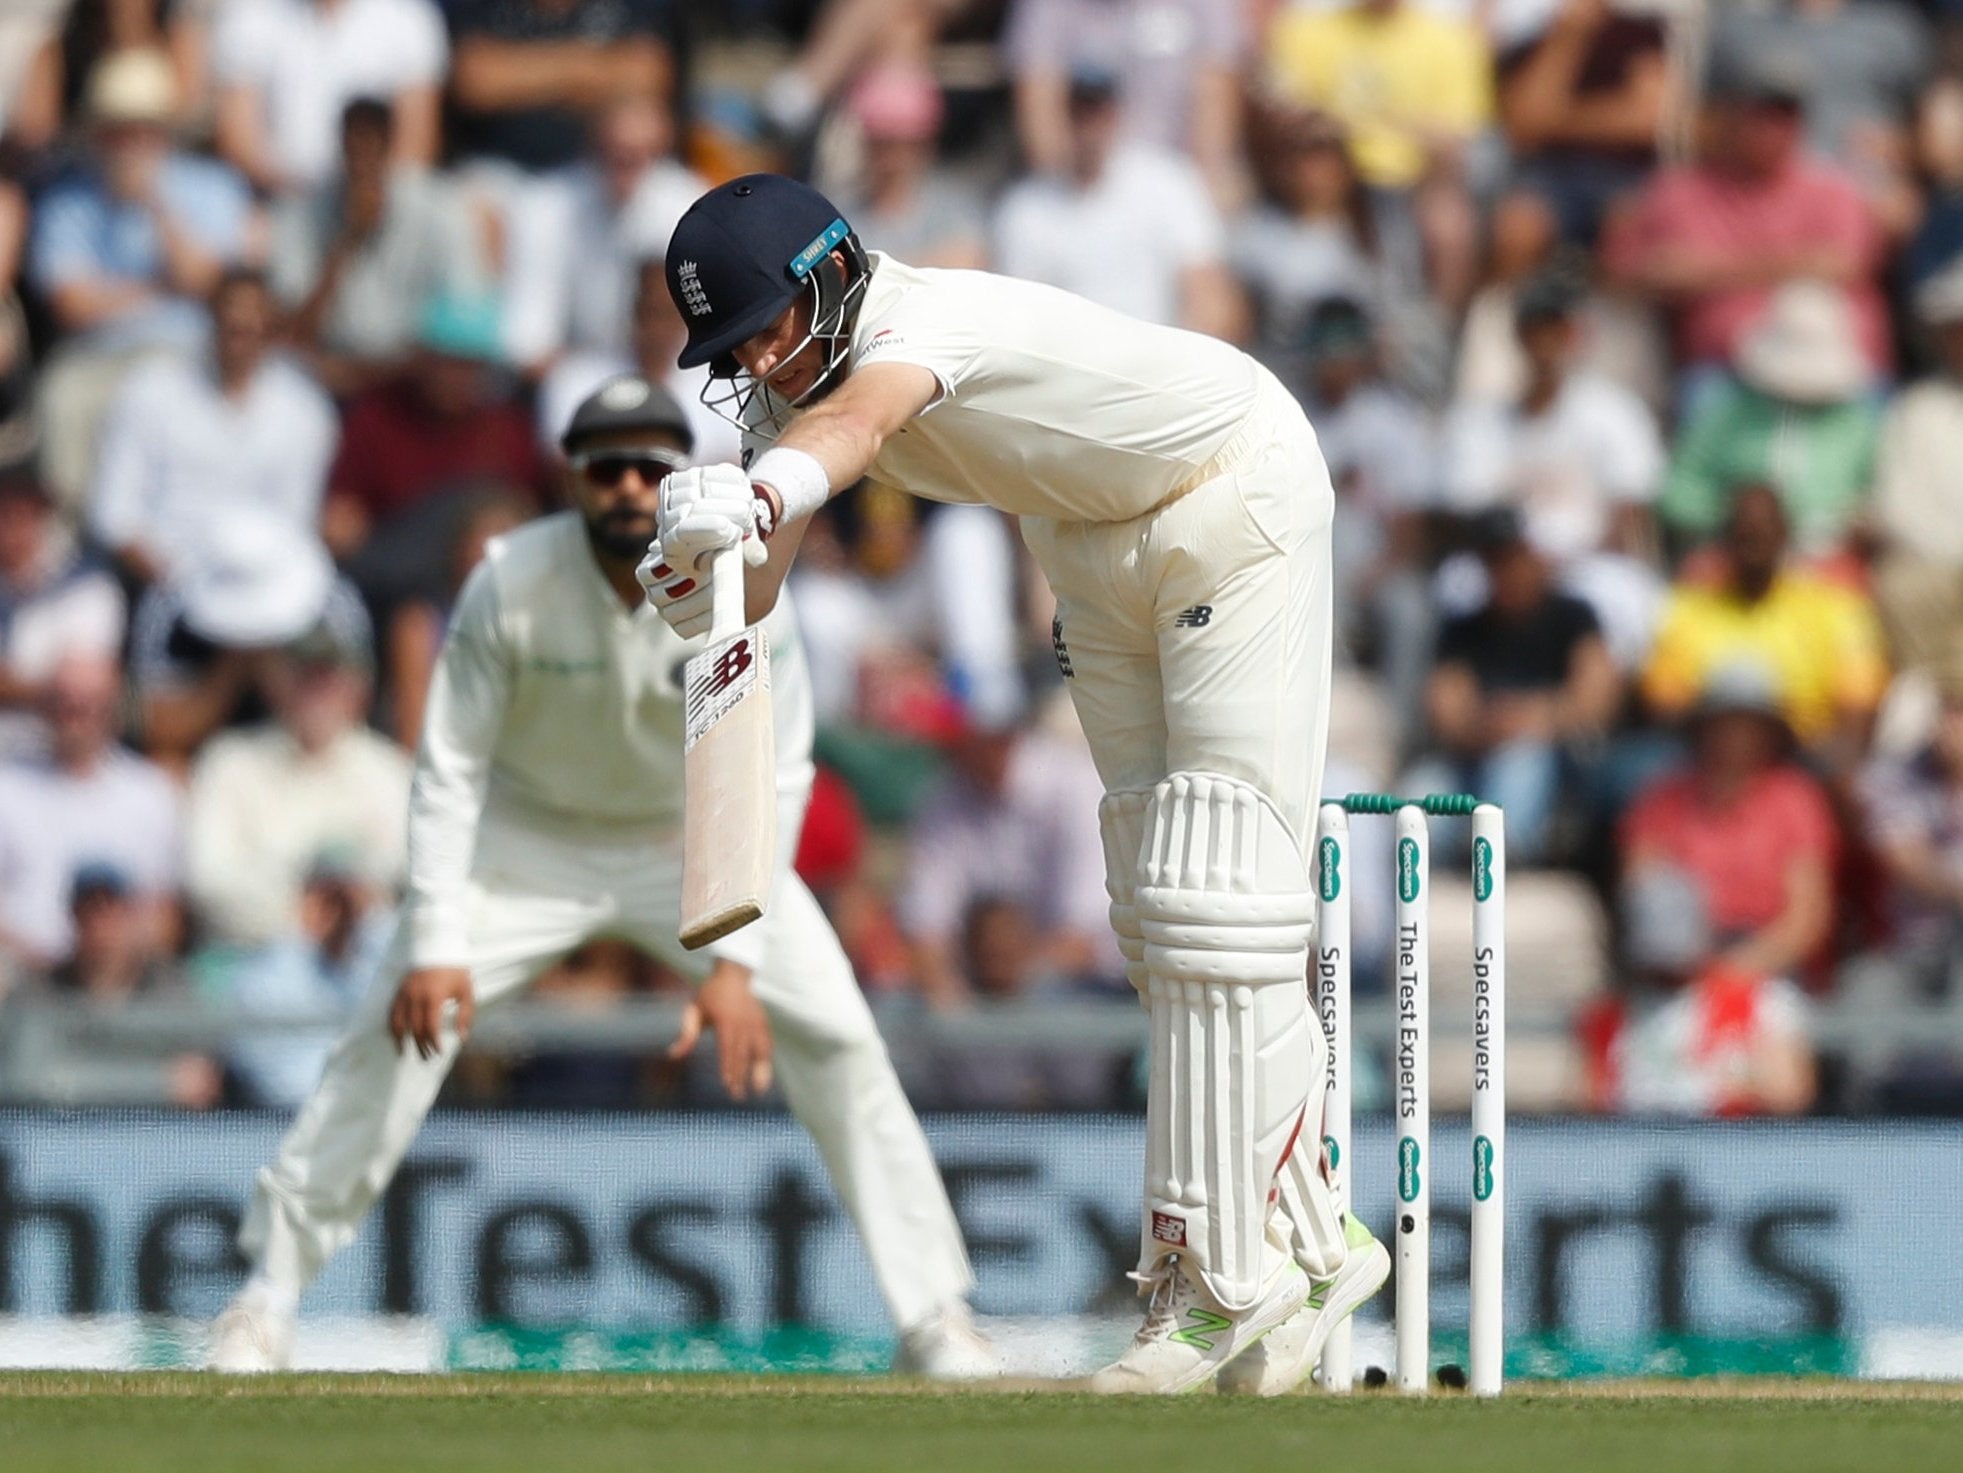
(726,593)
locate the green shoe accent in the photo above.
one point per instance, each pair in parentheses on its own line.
(1204,1320)
(1355,1233)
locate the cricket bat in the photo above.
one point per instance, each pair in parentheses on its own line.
(729,768)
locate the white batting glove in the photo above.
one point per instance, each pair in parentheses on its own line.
(682,599)
(704,509)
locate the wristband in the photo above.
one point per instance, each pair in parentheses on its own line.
(799,481)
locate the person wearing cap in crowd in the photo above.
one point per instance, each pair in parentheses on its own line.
(1172,491)
(265,799)
(1126,225)
(1917,508)
(202,639)
(56,600)
(1690,1031)
(545,810)
(1817,636)
(1800,417)
(1712,241)
(187,442)
(901,201)
(1518,686)
(125,250)
(1751,827)
(449,422)
(1578,455)
(1383,463)
(88,799)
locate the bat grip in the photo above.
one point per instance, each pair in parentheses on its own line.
(726,593)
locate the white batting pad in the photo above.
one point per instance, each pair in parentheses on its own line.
(1121,820)
(1225,906)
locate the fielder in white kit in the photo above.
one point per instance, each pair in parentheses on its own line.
(1176,499)
(546,811)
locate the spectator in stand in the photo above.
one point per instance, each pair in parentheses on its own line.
(56,602)
(126,249)
(900,202)
(285,71)
(1383,463)
(1579,457)
(1517,686)
(116,958)
(321,967)
(1584,105)
(1415,90)
(1128,226)
(1001,955)
(1938,240)
(1693,1033)
(1750,826)
(529,75)
(446,425)
(89,800)
(1817,639)
(658,336)
(1317,238)
(1918,491)
(202,639)
(845,38)
(266,801)
(1912,814)
(188,442)
(355,257)
(1013,822)
(1178,66)
(573,269)
(1715,240)
(1862,65)
(1798,417)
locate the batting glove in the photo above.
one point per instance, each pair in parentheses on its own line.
(705,509)
(682,599)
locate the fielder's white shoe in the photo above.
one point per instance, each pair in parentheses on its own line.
(1187,1336)
(1284,1359)
(251,1337)
(947,1347)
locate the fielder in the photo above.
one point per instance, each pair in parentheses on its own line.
(545,811)
(1176,499)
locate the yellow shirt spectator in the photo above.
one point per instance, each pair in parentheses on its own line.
(1820,639)
(1399,77)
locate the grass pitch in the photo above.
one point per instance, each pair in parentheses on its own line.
(53,1423)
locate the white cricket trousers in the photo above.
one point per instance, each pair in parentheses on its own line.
(534,897)
(1197,640)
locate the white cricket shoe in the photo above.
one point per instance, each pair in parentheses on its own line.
(1187,1336)
(946,1346)
(1284,1360)
(251,1337)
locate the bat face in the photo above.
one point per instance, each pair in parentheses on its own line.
(729,792)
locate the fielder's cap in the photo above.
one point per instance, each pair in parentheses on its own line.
(740,256)
(254,580)
(629,404)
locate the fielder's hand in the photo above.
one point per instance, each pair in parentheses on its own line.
(726,1004)
(418,1011)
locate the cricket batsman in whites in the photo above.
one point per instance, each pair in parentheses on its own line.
(1176,498)
(546,810)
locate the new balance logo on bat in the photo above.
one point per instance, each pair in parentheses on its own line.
(729,666)
(1197,617)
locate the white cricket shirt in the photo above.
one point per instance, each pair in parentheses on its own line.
(559,708)
(1051,406)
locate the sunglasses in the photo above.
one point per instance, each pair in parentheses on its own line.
(610,467)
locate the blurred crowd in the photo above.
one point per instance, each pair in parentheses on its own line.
(1632,331)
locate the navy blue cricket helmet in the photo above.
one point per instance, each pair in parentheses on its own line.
(744,252)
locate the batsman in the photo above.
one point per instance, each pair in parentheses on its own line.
(1175,497)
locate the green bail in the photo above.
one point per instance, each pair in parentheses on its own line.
(1439,805)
